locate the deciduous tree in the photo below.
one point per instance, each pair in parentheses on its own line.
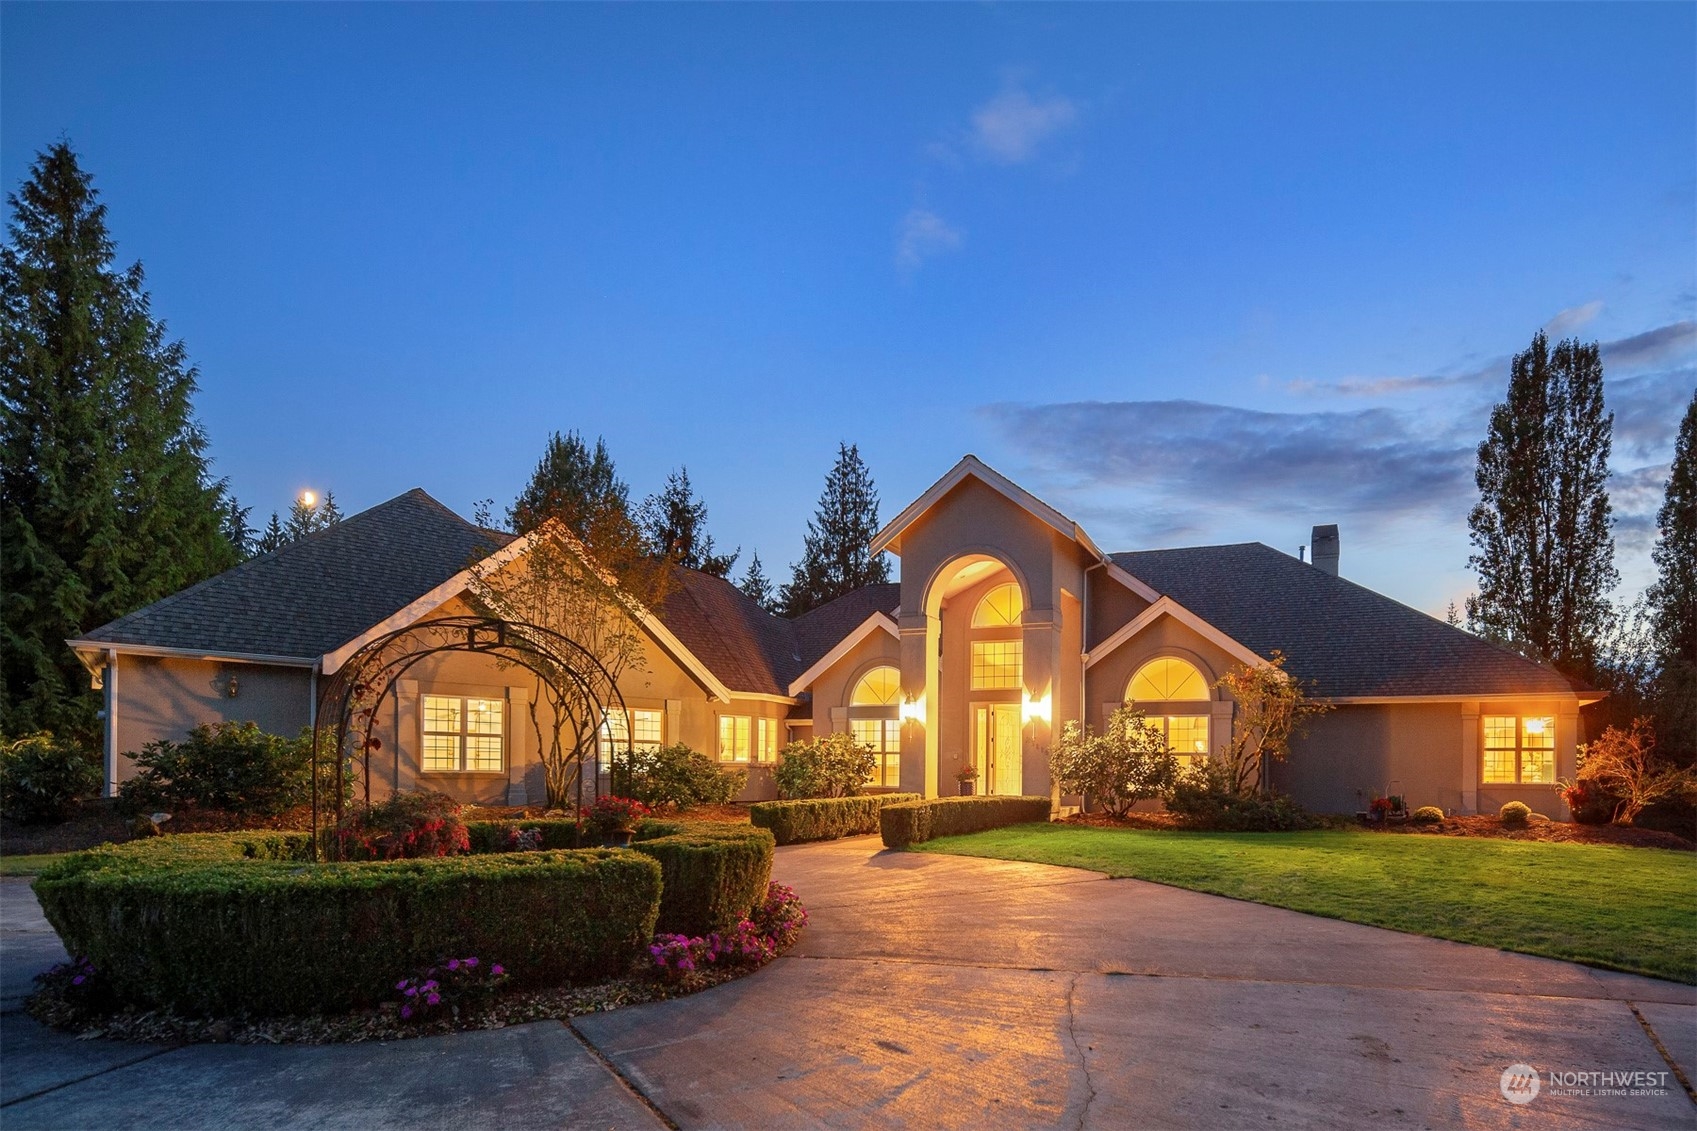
(1272,708)
(1541,529)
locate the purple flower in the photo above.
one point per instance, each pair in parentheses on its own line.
(77,981)
(472,961)
(453,964)
(401,985)
(412,991)
(435,999)
(497,970)
(406,1012)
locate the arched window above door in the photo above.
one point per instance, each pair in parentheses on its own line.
(999,608)
(880,687)
(1167,679)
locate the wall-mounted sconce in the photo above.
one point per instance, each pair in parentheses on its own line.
(231,687)
(913,710)
(1035,708)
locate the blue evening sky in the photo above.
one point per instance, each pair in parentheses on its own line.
(1192,273)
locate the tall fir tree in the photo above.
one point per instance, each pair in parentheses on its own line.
(106,501)
(836,555)
(237,532)
(274,537)
(1543,548)
(755,584)
(675,524)
(307,518)
(1673,599)
(574,484)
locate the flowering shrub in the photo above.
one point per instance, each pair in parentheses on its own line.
(775,924)
(612,814)
(781,916)
(448,986)
(407,826)
(523,840)
(76,981)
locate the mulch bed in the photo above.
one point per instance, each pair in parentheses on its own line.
(382,1023)
(729,814)
(1552,832)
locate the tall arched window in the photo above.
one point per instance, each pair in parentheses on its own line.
(998,653)
(874,705)
(1174,697)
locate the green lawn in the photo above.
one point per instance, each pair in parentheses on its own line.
(27,865)
(1632,909)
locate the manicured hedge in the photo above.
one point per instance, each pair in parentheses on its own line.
(713,874)
(491,836)
(823,818)
(914,821)
(237,923)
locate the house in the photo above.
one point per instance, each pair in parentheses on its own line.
(1007,622)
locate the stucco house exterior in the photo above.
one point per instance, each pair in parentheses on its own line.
(1008,621)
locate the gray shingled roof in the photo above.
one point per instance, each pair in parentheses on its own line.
(747,647)
(1347,639)
(817,631)
(315,595)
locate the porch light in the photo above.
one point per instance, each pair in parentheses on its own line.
(913,710)
(1035,708)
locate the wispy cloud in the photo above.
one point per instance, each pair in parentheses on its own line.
(921,235)
(1009,128)
(1676,341)
(1572,318)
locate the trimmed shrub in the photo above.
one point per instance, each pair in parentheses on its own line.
(208,923)
(911,822)
(42,778)
(832,765)
(493,836)
(823,818)
(1206,798)
(681,777)
(1428,815)
(407,826)
(1514,813)
(231,766)
(712,874)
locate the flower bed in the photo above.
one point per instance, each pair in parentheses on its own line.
(912,822)
(823,818)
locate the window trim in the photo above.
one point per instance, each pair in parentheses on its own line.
(748,736)
(1519,750)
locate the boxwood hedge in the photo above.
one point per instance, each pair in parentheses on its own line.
(713,874)
(240,923)
(914,821)
(823,818)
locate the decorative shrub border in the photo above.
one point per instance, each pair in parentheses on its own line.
(823,818)
(234,923)
(712,875)
(912,822)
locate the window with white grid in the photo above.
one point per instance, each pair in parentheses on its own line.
(463,734)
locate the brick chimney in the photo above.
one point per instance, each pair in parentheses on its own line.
(1325,543)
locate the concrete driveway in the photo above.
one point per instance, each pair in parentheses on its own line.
(935,991)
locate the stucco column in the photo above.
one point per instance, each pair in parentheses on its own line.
(1567,752)
(1470,757)
(919,635)
(1219,726)
(518,760)
(1042,655)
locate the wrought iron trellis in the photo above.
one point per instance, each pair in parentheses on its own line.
(353,697)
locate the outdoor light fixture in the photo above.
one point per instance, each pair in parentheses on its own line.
(913,710)
(1035,707)
(230,688)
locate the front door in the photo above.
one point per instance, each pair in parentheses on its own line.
(998,753)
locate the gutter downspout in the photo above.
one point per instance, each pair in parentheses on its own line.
(110,686)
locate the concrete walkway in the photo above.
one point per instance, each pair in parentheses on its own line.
(935,991)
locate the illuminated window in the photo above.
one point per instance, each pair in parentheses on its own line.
(885,738)
(1187,736)
(462,734)
(996,664)
(1000,608)
(1168,679)
(880,687)
(765,740)
(644,728)
(733,738)
(1519,750)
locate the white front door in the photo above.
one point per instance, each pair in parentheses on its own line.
(998,750)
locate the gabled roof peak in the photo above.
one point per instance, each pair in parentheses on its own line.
(971,467)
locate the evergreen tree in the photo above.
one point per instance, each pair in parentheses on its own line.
(274,538)
(106,503)
(756,584)
(675,524)
(237,532)
(303,517)
(1543,547)
(1673,599)
(836,558)
(329,514)
(573,484)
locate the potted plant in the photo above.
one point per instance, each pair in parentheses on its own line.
(614,819)
(967,777)
(1378,809)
